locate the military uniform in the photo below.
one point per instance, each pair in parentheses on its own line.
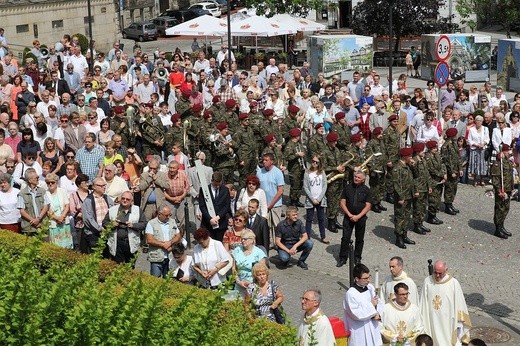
(256,121)
(376,168)
(295,170)
(451,159)
(391,144)
(402,180)
(422,183)
(437,171)
(502,167)
(332,158)
(127,139)
(174,134)
(316,145)
(152,130)
(246,151)
(183,107)
(343,135)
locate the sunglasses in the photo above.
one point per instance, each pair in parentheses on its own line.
(69,156)
(9,167)
(51,183)
(64,120)
(316,162)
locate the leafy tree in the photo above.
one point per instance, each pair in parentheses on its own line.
(410,17)
(269,8)
(503,12)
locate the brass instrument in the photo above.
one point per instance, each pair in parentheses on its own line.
(152,130)
(186,124)
(220,142)
(335,175)
(130,111)
(363,167)
(301,160)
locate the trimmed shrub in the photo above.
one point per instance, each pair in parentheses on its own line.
(53,296)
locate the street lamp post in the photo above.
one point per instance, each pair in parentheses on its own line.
(229,33)
(390,51)
(91,42)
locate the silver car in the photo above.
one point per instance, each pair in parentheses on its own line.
(141,31)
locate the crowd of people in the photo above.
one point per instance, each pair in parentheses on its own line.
(125,145)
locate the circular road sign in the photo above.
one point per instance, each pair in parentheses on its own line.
(443,48)
(442,73)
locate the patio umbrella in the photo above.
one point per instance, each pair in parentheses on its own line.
(205,25)
(301,24)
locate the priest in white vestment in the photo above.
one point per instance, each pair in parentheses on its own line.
(363,310)
(443,308)
(398,275)
(315,328)
(401,319)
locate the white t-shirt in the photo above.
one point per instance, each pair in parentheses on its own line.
(68,185)
(9,212)
(316,184)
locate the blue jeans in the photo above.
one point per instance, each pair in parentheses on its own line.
(305,249)
(160,269)
(321,220)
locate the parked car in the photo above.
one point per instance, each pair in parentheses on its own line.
(141,31)
(222,4)
(211,7)
(163,23)
(183,15)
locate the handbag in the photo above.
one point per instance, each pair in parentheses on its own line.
(279,314)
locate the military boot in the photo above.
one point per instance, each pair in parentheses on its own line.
(339,225)
(432,219)
(424,229)
(505,231)
(332,225)
(407,240)
(499,233)
(448,209)
(416,229)
(381,208)
(390,198)
(399,242)
(454,209)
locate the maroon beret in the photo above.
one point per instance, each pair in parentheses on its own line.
(222,125)
(119,109)
(149,105)
(293,109)
(431,144)
(318,126)
(215,99)
(269,138)
(506,147)
(377,131)
(186,93)
(231,103)
(393,117)
(295,132)
(267,112)
(207,114)
(418,147)
(339,115)
(243,116)
(451,132)
(332,137)
(355,138)
(405,152)
(197,107)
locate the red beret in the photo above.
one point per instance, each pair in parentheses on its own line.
(253,104)
(295,132)
(451,132)
(222,125)
(231,103)
(355,138)
(506,147)
(293,109)
(149,105)
(377,131)
(339,115)
(119,109)
(332,137)
(318,126)
(269,138)
(393,117)
(186,93)
(176,117)
(243,116)
(267,112)
(418,147)
(215,99)
(431,144)
(197,107)
(207,114)
(406,152)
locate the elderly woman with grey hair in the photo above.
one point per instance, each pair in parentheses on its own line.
(9,213)
(478,141)
(59,225)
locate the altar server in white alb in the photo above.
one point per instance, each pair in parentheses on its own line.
(315,328)
(443,308)
(401,319)
(363,310)
(397,275)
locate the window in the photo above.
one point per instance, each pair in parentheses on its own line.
(85,19)
(22,28)
(57,24)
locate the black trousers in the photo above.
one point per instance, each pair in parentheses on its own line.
(123,254)
(348,227)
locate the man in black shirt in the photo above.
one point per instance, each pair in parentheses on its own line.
(356,201)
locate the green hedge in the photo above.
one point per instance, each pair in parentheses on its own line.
(53,296)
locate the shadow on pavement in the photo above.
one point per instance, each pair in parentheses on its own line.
(333,250)
(482,225)
(385,232)
(496,310)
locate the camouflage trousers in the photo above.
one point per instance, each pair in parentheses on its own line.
(227,174)
(333,194)
(248,169)
(296,183)
(450,189)
(419,207)
(389,185)
(434,199)
(402,214)
(501,210)
(377,186)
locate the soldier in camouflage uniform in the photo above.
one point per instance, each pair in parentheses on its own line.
(437,172)
(152,132)
(332,163)
(502,180)
(356,154)
(451,160)
(317,143)
(291,121)
(207,129)
(246,152)
(119,124)
(402,179)
(194,129)
(256,121)
(217,109)
(224,154)
(175,132)
(376,168)
(422,188)
(272,147)
(183,105)
(231,116)
(294,155)
(391,143)
(343,131)
(271,126)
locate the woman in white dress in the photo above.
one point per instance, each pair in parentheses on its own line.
(210,260)
(478,141)
(9,212)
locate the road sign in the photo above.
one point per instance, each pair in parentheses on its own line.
(442,73)
(443,48)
